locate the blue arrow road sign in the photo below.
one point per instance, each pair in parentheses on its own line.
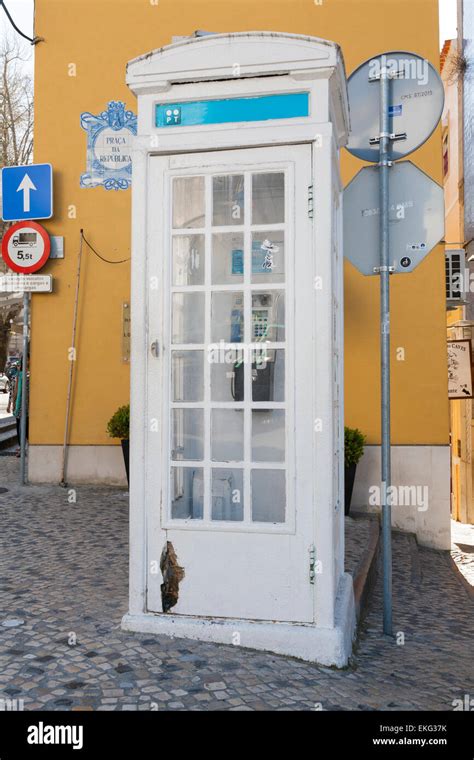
(27,192)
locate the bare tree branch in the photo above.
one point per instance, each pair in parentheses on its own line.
(16,104)
(16,148)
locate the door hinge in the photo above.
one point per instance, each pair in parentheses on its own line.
(312,564)
(310,202)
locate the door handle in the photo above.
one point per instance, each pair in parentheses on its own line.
(155,349)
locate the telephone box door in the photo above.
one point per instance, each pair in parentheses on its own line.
(228,467)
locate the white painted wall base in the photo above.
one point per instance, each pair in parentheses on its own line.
(412,466)
(328,646)
(101,465)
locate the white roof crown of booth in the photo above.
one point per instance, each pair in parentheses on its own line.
(215,57)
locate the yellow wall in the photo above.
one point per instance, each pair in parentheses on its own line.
(100,36)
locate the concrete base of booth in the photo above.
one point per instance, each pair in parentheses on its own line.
(327,646)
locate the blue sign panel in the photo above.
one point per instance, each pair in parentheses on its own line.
(259,108)
(27,192)
(395,110)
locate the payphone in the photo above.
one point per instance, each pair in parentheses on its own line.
(238,481)
(267,326)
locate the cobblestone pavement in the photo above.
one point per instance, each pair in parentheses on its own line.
(63,581)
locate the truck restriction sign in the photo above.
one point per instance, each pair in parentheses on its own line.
(26,247)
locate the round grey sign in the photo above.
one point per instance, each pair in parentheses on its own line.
(416,100)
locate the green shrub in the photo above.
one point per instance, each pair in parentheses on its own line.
(119,424)
(353,445)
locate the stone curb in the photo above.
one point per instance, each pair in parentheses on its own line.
(460,577)
(366,575)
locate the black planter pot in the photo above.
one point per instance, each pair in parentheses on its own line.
(349,478)
(126,457)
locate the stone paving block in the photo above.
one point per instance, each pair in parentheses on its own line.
(215,686)
(203,697)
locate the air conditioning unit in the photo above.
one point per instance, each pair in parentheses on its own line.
(456,274)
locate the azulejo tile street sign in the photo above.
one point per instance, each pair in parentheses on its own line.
(109,147)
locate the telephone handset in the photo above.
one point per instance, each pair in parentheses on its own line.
(264,327)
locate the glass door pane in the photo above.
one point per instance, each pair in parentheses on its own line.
(188,260)
(228,200)
(188,202)
(229,414)
(268,198)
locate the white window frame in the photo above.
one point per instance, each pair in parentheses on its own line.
(224,167)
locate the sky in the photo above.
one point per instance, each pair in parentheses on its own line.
(447,21)
(22,13)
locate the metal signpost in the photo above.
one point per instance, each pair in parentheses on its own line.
(389,123)
(25,249)
(24,388)
(384,164)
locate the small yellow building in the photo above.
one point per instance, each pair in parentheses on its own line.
(79,71)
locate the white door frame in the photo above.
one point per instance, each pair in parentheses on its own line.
(161,528)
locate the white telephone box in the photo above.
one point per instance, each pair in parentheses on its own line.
(237,515)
